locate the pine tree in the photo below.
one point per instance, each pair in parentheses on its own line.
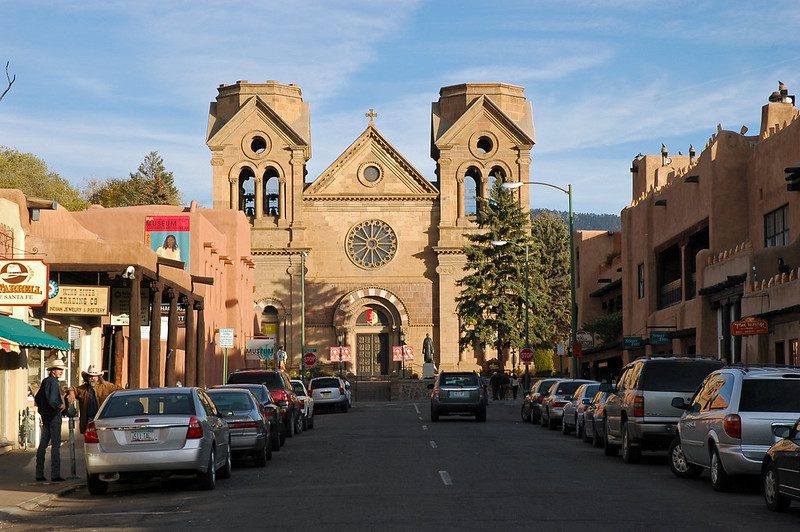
(157,185)
(491,304)
(550,279)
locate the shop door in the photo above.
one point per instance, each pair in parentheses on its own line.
(372,354)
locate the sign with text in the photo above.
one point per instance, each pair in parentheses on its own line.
(526,355)
(749,326)
(121,306)
(226,336)
(660,337)
(402,353)
(632,342)
(310,359)
(169,237)
(260,349)
(585,338)
(23,282)
(76,300)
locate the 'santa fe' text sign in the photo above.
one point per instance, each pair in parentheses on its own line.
(23,282)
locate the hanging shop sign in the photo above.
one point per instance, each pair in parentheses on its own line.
(76,300)
(121,306)
(23,282)
(632,342)
(749,326)
(260,349)
(660,338)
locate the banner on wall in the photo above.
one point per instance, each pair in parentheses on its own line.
(169,237)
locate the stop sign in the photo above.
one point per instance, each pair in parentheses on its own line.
(526,355)
(309,359)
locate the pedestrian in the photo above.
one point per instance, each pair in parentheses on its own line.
(91,394)
(505,382)
(281,357)
(514,385)
(495,381)
(50,404)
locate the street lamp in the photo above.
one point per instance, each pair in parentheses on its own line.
(574,315)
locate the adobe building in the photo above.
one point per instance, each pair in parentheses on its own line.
(380,243)
(710,239)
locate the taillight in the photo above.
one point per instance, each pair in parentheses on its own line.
(341,390)
(195,430)
(733,426)
(242,425)
(90,436)
(269,413)
(559,404)
(539,399)
(302,402)
(638,406)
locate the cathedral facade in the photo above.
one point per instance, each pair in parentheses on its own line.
(371,249)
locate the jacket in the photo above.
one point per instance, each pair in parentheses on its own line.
(101,390)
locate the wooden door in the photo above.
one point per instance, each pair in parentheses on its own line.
(372,354)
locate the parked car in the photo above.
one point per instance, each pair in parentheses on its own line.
(639,414)
(780,469)
(594,420)
(458,393)
(531,403)
(277,436)
(559,395)
(330,391)
(727,426)
(249,427)
(574,409)
(281,390)
(306,401)
(158,432)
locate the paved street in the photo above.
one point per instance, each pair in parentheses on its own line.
(386,465)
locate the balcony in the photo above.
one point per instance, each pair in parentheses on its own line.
(669,294)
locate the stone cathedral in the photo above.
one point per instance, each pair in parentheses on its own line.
(381,244)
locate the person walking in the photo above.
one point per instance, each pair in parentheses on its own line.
(514,385)
(91,394)
(495,381)
(505,384)
(50,405)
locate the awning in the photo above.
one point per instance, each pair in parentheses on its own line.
(17,331)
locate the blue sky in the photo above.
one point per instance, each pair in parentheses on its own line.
(102,83)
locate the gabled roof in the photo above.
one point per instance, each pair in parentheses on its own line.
(483,106)
(252,106)
(399,168)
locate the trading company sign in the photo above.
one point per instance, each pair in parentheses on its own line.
(23,282)
(76,300)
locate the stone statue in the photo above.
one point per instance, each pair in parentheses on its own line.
(427,348)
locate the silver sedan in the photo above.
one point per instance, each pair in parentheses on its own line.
(159,432)
(249,428)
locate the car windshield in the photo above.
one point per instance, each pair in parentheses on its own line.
(330,382)
(590,390)
(272,380)
(458,379)
(676,375)
(151,404)
(231,401)
(567,388)
(299,389)
(544,386)
(770,395)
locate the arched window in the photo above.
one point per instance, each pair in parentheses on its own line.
(247,191)
(495,174)
(272,205)
(270,324)
(472,190)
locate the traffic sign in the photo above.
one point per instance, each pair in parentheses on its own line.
(577,350)
(526,355)
(226,337)
(309,359)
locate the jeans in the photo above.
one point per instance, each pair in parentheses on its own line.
(51,435)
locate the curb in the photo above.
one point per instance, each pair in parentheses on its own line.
(35,503)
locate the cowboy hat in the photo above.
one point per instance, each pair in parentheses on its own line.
(56,364)
(91,371)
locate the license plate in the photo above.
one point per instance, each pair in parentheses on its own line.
(459,395)
(143,436)
(325,394)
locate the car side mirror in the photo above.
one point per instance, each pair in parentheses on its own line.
(587,401)
(347,385)
(430,386)
(782,431)
(606,387)
(680,403)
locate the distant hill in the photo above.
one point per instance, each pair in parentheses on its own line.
(586,220)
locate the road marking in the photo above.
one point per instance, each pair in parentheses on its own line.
(128,513)
(417,408)
(424,427)
(433,444)
(446,478)
(420,418)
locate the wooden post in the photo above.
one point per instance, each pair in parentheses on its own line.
(201,345)
(190,345)
(135,334)
(170,376)
(119,355)
(154,362)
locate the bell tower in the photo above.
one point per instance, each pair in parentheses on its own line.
(259,135)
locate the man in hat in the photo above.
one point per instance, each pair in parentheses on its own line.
(50,405)
(91,394)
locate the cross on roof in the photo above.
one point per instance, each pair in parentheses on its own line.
(371,115)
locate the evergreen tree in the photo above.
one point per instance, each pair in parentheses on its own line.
(550,279)
(491,304)
(151,184)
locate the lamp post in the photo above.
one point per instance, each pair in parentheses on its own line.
(573,314)
(303,311)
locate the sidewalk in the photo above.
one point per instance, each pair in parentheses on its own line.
(18,487)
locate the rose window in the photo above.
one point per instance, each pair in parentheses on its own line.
(371,244)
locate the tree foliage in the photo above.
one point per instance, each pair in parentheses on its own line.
(607,326)
(585,220)
(151,184)
(492,298)
(543,360)
(31,175)
(550,279)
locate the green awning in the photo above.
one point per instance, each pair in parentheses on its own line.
(28,336)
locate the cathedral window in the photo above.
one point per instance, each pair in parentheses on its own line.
(372,173)
(472,190)
(371,244)
(272,193)
(258,145)
(247,195)
(485,145)
(495,174)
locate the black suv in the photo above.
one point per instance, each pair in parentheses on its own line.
(281,390)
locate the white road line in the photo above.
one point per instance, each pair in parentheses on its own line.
(417,408)
(433,444)
(420,418)
(446,478)
(424,427)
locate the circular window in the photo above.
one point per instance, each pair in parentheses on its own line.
(371,244)
(258,145)
(372,173)
(485,145)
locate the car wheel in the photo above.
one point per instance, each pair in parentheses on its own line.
(434,415)
(344,407)
(281,434)
(579,430)
(95,485)
(275,439)
(542,421)
(310,422)
(680,466)
(300,422)
(565,429)
(609,449)
(260,457)
(552,424)
(720,480)
(524,413)
(776,502)
(208,480)
(630,454)
(225,471)
(597,441)
(290,426)
(481,415)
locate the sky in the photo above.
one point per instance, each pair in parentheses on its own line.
(99,84)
